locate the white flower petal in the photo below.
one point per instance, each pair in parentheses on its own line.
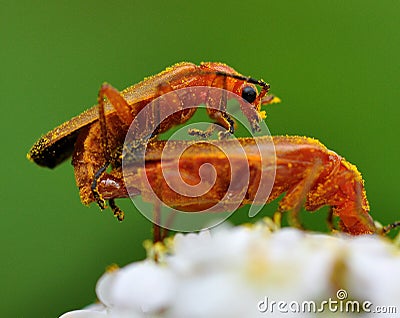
(104,287)
(144,286)
(208,296)
(96,307)
(374,271)
(227,272)
(84,314)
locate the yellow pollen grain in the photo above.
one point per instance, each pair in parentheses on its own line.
(112,268)
(275,100)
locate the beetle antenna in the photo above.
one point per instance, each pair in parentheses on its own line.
(264,86)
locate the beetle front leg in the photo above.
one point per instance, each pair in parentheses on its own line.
(204,134)
(216,105)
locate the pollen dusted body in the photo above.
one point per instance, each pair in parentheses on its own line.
(305,171)
(92,137)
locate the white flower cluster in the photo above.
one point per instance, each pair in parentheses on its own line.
(253,271)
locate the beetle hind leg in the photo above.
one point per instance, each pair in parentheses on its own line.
(329,220)
(294,199)
(386,229)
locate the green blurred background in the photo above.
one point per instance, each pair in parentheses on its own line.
(335,64)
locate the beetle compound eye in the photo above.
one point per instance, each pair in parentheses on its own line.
(249,94)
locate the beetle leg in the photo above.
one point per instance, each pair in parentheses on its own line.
(329,220)
(210,130)
(121,107)
(216,105)
(277,218)
(295,197)
(386,229)
(124,113)
(159,232)
(202,133)
(231,127)
(118,213)
(157,236)
(97,196)
(224,134)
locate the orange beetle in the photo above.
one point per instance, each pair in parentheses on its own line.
(305,171)
(93,137)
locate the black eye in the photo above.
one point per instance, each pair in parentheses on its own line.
(249,94)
